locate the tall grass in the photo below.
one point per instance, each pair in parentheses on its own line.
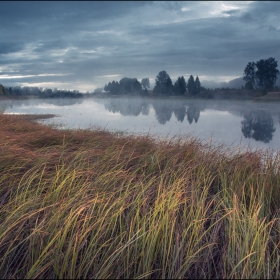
(89,204)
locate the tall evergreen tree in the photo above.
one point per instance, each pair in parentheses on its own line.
(197,85)
(191,86)
(163,83)
(180,86)
(136,86)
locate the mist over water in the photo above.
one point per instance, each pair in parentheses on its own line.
(228,122)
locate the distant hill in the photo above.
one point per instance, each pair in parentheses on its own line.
(235,83)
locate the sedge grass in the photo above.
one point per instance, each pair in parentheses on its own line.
(90,204)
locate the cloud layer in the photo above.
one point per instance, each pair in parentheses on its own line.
(84,45)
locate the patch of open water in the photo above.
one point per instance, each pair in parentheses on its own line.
(234,123)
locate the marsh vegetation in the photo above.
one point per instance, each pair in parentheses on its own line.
(91,204)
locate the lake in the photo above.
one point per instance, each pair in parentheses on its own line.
(230,122)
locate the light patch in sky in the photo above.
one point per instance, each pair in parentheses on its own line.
(217,78)
(109,76)
(30,76)
(88,51)
(46,85)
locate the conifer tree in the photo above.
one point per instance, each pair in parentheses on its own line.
(191,85)
(197,85)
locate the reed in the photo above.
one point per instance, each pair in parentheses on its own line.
(92,204)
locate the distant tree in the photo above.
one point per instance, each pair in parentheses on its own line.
(98,91)
(106,87)
(125,85)
(169,86)
(163,84)
(48,91)
(136,86)
(145,83)
(249,75)
(267,73)
(191,85)
(180,86)
(197,85)
(112,87)
(115,87)
(262,74)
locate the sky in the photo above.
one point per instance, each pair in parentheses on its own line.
(84,45)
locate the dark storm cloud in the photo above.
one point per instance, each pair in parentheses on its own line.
(96,42)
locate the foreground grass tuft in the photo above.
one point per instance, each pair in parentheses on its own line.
(89,204)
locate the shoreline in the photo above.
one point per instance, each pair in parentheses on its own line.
(216,96)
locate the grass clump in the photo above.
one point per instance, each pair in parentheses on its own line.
(89,204)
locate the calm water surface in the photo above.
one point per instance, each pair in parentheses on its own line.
(229,122)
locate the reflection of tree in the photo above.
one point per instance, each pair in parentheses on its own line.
(145,109)
(127,107)
(131,109)
(163,111)
(258,125)
(38,101)
(163,108)
(193,113)
(179,111)
(63,101)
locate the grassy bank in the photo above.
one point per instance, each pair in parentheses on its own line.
(88,204)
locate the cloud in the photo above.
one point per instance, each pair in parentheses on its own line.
(231,12)
(95,40)
(246,18)
(29,76)
(6,48)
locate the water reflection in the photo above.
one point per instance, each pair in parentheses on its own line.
(193,113)
(163,109)
(15,103)
(127,108)
(64,101)
(180,112)
(258,125)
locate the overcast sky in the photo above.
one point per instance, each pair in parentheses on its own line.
(84,45)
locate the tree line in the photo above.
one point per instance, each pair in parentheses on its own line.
(40,92)
(163,86)
(260,75)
